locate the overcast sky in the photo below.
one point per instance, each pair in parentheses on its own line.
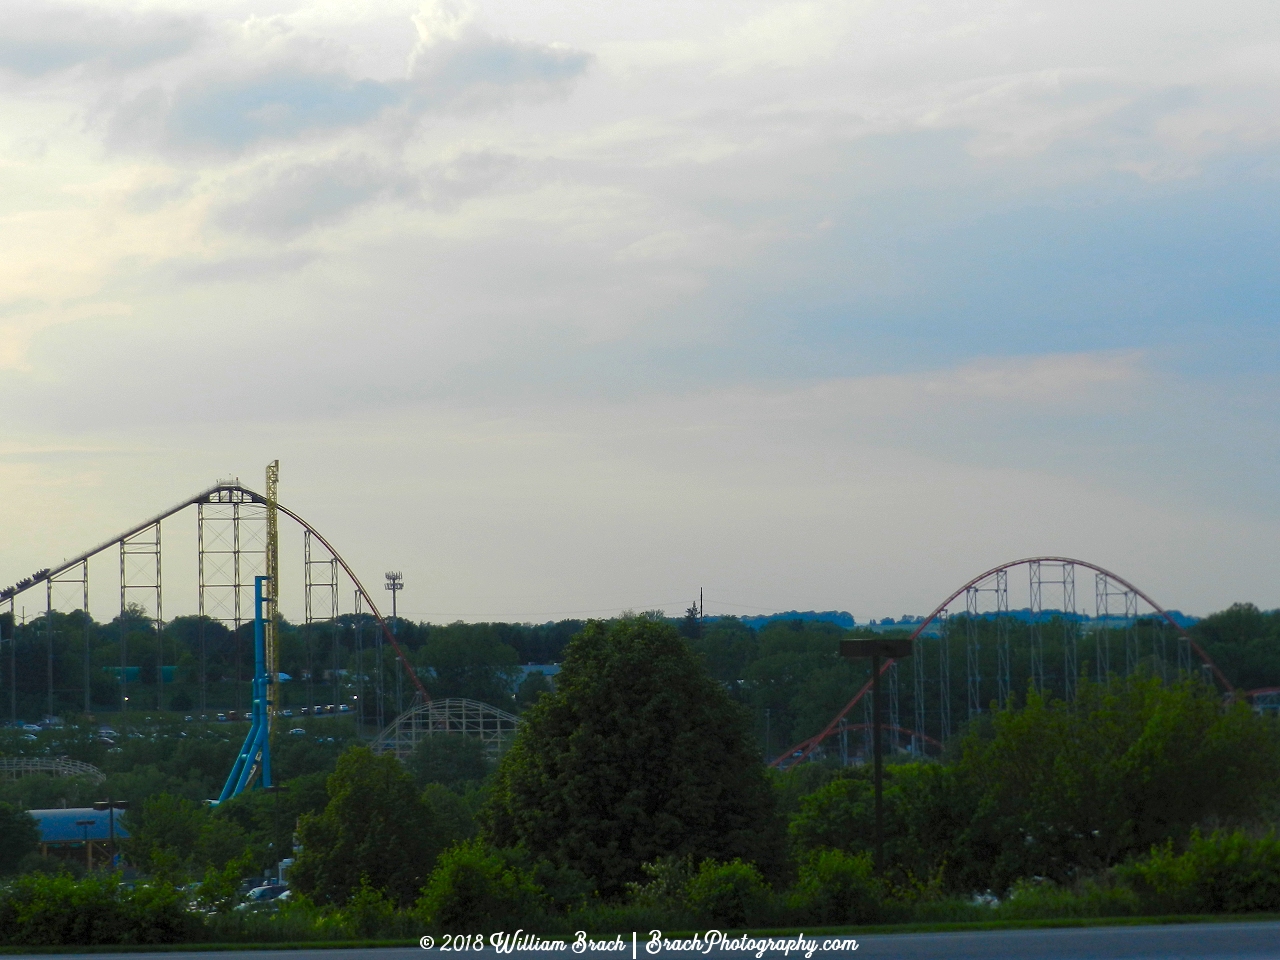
(564,307)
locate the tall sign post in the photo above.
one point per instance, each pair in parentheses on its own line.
(877,651)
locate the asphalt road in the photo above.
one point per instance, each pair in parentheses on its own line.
(1210,941)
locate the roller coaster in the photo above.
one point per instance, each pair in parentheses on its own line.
(1125,621)
(1049,642)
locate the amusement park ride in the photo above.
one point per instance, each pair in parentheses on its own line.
(238,565)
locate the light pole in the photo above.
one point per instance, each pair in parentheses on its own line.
(395,583)
(277,789)
(877,651)
(112,806)
(84,826)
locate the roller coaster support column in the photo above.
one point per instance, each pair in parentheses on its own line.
(882,653)
(255,755)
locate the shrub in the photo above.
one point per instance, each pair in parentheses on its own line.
(57,910)
(472,888)
(836,887)
(731,894)
(1225,872)
(1028,900)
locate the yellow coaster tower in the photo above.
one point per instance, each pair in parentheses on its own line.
(273,598)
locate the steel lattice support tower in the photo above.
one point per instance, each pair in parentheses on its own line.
(272,598)
(944,677)
(1070,632)
(1003,690)
(140,569)
(1036,607)
(323,590)
(76,577)
(973,652)
(917,670)
(893,705)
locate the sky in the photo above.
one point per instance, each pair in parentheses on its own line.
(566,308)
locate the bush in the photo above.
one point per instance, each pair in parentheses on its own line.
(730,894)
(1028,900)
(836,887)
(1226,872)
(57,910)
(472,888)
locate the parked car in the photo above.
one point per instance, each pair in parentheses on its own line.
(304,711)
(32,727)
(262,895)
(286,713)
(222,718)
(344,708)
(298,732)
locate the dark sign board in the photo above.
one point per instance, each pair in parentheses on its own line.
(895,649)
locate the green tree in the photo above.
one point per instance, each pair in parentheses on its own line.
(473,888)
(21,835)
(637,755)
(375,827)
(469,664)
(531,688)
(452,759)
(1062,787)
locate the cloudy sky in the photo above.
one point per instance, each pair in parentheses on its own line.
(565,307)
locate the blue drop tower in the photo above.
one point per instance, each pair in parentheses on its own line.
(255,755)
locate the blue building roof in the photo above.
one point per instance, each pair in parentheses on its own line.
(59,826)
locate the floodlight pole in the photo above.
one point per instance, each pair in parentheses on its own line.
(395,583)
(877,651)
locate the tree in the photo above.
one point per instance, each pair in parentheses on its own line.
(452,759)
(375,827)
(531,688)
(21,836)
(477,667)
(1062,787)
(637,755)
(691,625)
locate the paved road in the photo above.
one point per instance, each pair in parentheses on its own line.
(1210,941)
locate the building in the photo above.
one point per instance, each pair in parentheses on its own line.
(80,833)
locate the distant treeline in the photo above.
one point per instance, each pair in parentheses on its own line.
(786,670)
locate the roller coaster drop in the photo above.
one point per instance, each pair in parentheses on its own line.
(234,558)
(1042,572)
(237,550)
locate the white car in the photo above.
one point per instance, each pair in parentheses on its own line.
(298,732)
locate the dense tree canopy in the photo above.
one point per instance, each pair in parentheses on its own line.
(638,754)
(21,833)
(376,828)
(1059,789)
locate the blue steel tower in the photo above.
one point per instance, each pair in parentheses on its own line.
(255,755)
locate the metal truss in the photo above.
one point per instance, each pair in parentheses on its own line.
(11,768)
(140,569)
(69,590)
(944,678)
(494,728)
(895,734)
(1066,580)
(320,583)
